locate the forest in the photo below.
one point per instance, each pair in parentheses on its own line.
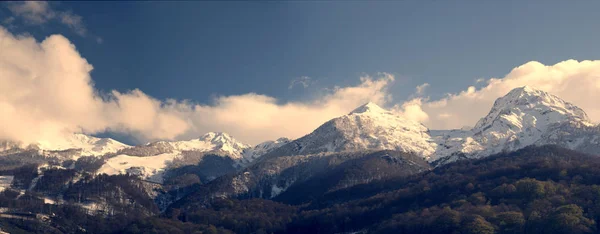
(544,189)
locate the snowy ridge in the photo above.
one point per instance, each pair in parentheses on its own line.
(368,127)
(79,144)
(153,159)
(220,142)
(149,161)
(251,154)
(213,141)
(89,145)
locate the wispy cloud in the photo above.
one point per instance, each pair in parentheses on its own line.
(41,12)
(74,22)
(8,22)
(303,81)
(421,89)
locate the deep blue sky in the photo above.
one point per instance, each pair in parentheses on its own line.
(193,50)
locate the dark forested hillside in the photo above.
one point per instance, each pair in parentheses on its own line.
(302,178)
(533,190)
(371,168)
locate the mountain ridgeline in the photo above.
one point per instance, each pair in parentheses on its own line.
(529,166)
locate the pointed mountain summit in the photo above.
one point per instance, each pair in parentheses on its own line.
(368,107)
(524,116)
(212,141)
(529,107)
(368,127)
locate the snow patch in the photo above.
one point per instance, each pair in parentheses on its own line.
(275,190)
(150,168)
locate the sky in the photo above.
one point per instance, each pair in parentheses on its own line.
(144,71)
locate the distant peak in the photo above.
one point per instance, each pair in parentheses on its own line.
(529,95)
(283,139)
(368,107)
(211,135)
(526,90)
(531,102)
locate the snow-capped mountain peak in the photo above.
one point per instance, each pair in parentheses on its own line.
(225,142)
(369,108)
(216,137)
(213,141)
(524,116)
(529,107)
(368,127)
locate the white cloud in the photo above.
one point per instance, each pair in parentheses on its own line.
(40,12)
(412,110)
(46,91)
(421,89)
(304,81)
(577,82)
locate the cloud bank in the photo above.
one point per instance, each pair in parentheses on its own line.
(577,82)
(46,92)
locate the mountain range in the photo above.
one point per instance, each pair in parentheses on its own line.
(362,167)
(525,116)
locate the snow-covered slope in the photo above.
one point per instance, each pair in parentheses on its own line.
(213,141)
(77,144)
(525,116)
(261,149)
(89,145)
(150,161)
(151,168)
(368,127)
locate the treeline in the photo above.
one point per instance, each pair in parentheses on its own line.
(534,190)
(245,216)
